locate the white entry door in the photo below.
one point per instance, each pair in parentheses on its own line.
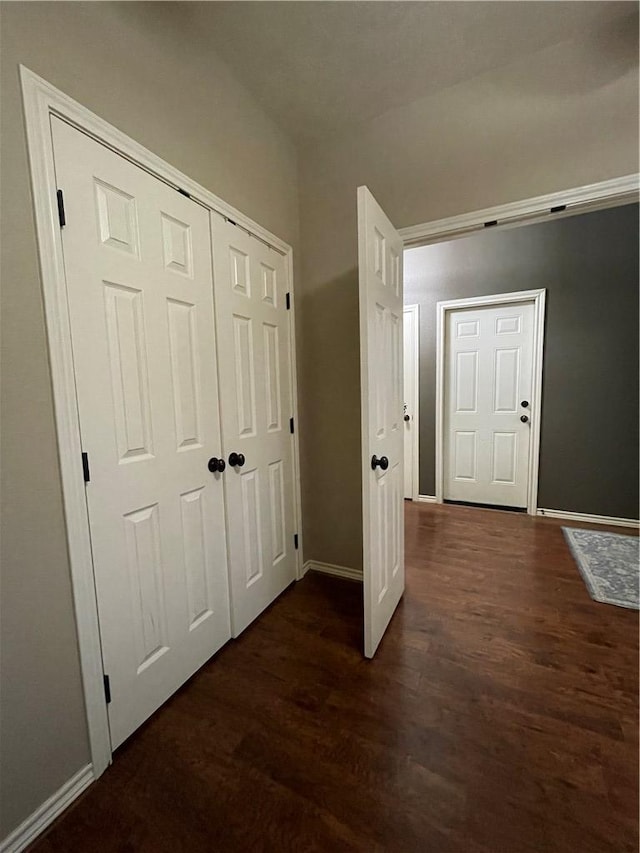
(139,278)
(255,381)
(381,317)
(487,400)
(411,399)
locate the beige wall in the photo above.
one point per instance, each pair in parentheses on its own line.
(141,67)
(561,118)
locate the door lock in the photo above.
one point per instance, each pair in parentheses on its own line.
(524,419)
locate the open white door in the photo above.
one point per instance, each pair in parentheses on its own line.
(381,319)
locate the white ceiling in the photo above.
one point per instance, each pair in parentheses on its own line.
(317,67)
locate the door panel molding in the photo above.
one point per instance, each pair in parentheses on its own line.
(537,298)
(41,100)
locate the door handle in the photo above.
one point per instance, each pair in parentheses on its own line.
(524,419)
(216,465)
(407,417)
(236,460)
(524,404)
(383,463)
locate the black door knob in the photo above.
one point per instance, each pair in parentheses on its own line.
(236,460)
(383,463)
(216,465)
(407,417)
(524,404)
(524,418)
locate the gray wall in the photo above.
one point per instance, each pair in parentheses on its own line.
(562,118)
(589,266)
(145,68)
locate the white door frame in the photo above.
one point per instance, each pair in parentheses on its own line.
(414,311)
(41,100)
(558,205)
(537,297)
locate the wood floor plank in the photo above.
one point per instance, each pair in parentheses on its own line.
(500,715)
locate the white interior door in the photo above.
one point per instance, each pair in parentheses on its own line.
(255,381)
(380,251)
(410,385)
(488,391)
(139,277)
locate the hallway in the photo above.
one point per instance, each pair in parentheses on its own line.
(499,716)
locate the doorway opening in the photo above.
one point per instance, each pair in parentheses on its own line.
(581,259)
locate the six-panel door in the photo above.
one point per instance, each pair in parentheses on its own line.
(139,277)
(381,334)
(488,385)
(254,350)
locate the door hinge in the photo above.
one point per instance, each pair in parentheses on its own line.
(291,426)
(107,689)
(295,541)
(61,215)
(288,300)
(183,192)
(85,467)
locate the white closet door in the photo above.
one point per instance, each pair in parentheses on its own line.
(381,374)
(255,384)
(488,384)
(138,266)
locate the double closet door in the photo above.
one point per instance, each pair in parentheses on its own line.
(182,368)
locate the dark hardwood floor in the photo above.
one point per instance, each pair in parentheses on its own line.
(499,716)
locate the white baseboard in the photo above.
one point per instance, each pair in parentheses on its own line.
(589,519)
(47,812)
(427,499)
(331,569)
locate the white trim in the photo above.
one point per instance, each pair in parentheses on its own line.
(297,483)
(427,499)
(37,106)
(414,311)
(538,298)
(611,193)
(43,816)
(587,518)
(335,571)
(41,100)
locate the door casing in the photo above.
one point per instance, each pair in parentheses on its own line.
(42,100)
(537,297)
(413,313)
